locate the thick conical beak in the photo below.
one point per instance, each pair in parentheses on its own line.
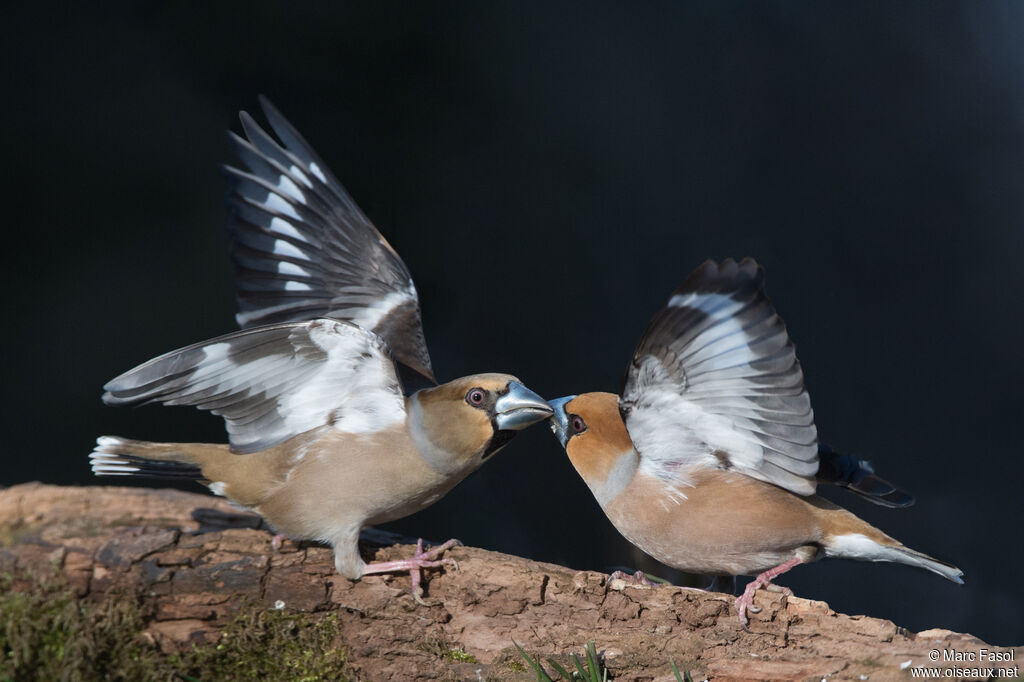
(560,419)
(519,407)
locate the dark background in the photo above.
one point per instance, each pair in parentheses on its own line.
(549,175)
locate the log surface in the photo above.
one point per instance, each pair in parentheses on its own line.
(108,541)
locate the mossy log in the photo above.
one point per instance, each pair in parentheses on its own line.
(118,543)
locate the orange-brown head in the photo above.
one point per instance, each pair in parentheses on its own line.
(460,424)
(594,436)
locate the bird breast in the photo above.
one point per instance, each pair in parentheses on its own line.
(723,524)
(346,479)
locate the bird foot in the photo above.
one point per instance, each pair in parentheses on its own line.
(745,602)
(638,578)
(414,565)
(277,542)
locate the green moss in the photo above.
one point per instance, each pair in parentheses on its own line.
(272,645)
(515,666)
(11,534)
(443,649)
(508,662)
(46,634)
(459,656)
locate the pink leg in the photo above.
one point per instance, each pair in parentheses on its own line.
(638,578)
(414,565)
(745,602)
(277,541)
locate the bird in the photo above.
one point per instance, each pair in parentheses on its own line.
(708,458)
(323,439)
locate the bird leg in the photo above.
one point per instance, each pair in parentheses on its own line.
(745,602)
(722,583)
(414,565)
(638,578)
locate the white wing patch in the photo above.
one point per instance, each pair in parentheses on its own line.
(288,268)
(285,248)
(286,185)
(283,227)
(315,170)
(297,172)
(663,421)
(362,407)
(277,204)
(370,316)
(273,383)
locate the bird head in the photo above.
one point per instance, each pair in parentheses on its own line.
(594,436)
(471,418)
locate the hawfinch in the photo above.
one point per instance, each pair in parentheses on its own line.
(322,439)
(709,459)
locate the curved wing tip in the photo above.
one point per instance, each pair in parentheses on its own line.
(111,398)
(718,273)
(426,372)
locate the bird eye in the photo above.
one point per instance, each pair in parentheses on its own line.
(578,425)
(475,396)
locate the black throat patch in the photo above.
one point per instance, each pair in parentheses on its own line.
(499,440)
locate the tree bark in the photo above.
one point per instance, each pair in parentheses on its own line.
(110,541)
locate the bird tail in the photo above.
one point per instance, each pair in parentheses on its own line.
(883,548)
(116,456)
(857,475)
(921,560)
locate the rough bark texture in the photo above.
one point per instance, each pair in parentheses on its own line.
(113,541)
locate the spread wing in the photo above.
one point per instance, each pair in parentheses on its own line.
(715,383)
(303,249)
(275,382)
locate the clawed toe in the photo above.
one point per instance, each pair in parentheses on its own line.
(744,604)
(638,578)
(432,554)
(415,565)
(417,596)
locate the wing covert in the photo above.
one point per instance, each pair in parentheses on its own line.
(275,382)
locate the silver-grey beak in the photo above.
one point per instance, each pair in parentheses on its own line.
(519,407)
(560,419)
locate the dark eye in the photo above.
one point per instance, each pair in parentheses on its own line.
(475,396)
(578,425)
